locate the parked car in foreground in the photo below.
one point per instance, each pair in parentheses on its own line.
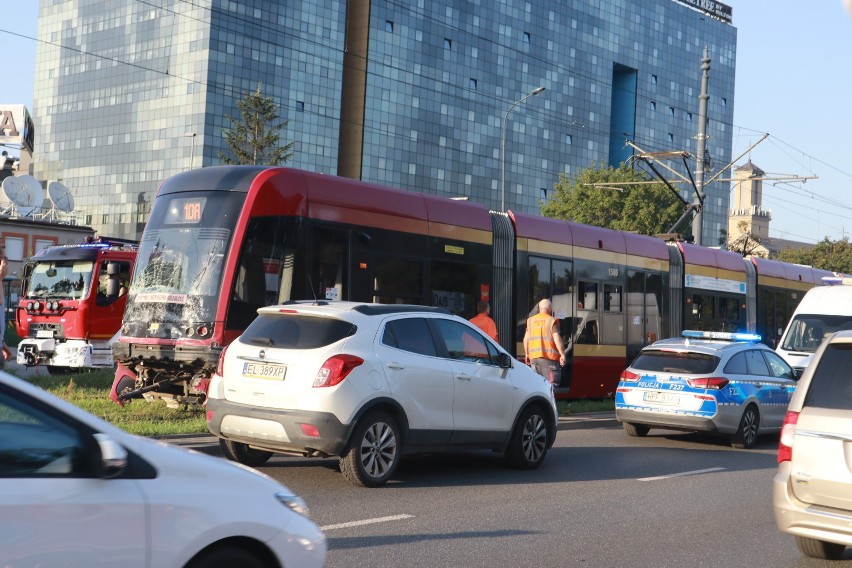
(727,383)
(812,490)
(79,492)
(371,382)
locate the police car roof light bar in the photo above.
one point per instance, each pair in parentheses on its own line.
(723,335)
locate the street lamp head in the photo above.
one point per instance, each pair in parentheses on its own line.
(537,90)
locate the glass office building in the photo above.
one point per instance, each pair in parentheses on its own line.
(420,95)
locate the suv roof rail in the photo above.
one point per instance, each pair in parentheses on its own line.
(384,309)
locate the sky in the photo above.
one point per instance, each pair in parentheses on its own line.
(791,82)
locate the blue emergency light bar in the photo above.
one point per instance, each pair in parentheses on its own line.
(840,279)
(725,335)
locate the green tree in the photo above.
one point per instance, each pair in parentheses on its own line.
(646,208)
(746,243)
(827,254)
(254,139)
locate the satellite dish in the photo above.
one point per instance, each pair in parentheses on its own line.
(25,192)
(60,196)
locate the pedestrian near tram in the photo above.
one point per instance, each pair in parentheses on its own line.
(483,320)
(543,348)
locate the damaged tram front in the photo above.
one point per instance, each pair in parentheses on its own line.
(193,290)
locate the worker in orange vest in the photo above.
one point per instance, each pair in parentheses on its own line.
(543,348)
(483,320)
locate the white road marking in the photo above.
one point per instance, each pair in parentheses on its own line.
(682,474)
(366,522)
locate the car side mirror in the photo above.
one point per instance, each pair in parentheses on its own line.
(113,456)
(505,361)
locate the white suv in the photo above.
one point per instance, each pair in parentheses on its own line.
(371,382)
(812,490)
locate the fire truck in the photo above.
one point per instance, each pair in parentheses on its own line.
(72,301)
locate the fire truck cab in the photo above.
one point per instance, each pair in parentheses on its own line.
(71,305)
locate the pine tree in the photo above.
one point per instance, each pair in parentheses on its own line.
(254,139)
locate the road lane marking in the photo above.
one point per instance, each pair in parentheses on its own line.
(682,474)
(366,522)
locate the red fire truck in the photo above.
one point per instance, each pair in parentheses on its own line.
(71,305)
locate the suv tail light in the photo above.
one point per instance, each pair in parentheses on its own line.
(629,376)
(716,383)
(788,431)
(335,369)
(220,366)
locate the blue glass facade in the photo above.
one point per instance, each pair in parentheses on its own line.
(409,94)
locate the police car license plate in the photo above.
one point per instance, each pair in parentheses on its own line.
(264,371)
(661,397)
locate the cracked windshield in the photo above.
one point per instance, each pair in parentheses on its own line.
(178,270)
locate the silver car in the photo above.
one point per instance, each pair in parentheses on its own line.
(720,382)
(812,490)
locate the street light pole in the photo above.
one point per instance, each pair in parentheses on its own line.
(192,149)
(534,92)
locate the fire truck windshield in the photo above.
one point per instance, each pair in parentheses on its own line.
(59,279)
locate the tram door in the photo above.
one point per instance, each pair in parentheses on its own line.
(644,306)
(329,274)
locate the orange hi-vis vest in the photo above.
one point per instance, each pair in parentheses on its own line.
(541,344)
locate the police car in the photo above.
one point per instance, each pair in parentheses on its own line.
(728,383)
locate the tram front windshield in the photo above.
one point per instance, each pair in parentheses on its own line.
(178,273)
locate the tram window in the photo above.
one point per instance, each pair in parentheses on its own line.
(612,298)
(539,275)
(271,254)
(587,296)
(563,288)
(398,281)
(589,333)
(330,263)
(729,310)
(702,307)
(456,286)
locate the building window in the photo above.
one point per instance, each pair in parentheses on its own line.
(473,84)
(542,194)
(653,79)
(448,43)
(300,106)
(671,111)
(724,102)
(689,117)
(526,37)
(671,137)
(653,105)
(568,139)
(389,26)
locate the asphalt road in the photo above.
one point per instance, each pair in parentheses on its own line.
(601,499)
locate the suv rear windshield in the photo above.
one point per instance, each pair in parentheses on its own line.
(831,386)
(296,331)
(675,362)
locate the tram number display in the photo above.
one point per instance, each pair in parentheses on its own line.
(185,210)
